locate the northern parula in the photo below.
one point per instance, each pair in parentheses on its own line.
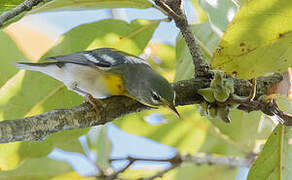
(106,72)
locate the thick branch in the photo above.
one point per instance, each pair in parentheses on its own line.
(26,5)
(176,11)
(38,127)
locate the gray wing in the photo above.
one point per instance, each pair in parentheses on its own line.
(103,57)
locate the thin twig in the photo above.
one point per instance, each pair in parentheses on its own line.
(114,175)
(197,159)
(176,11)
(213,160)
(26,5)
(178,159)
(130,158)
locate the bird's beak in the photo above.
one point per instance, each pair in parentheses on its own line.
(172,108)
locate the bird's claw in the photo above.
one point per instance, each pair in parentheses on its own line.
(89,99)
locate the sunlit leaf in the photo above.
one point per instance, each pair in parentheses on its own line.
(72,176)
(6,5)
(220,13)
(8,53)
(104,149)
(208,41)
(12,154)
(184,62)
(220,144)
(258,40)
(100,144)
(275,160)
(201,13)
(37,169)
(137,173)
(239,2)
(284,104)
(69,5)
(192,171)
(161,55)
(161,58)
(243,129)
(131,38)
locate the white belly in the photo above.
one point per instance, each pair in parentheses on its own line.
(87,79)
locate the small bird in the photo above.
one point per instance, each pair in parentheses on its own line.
(106,72)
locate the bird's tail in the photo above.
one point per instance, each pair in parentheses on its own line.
(53,69)
(33,66)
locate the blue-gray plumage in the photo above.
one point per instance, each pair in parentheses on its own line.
(107,72)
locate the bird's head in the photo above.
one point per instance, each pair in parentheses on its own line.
(157,91)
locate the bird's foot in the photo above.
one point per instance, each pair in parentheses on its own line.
(89,99)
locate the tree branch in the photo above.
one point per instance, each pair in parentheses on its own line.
(212,160)
(178,159)
(37,128)
(26,5)
(128,165)
(176,11)
(161,173)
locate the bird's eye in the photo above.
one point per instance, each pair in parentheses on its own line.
(155,97)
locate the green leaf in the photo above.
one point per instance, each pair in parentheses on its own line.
(220,13)
(100,144)
(208,94)
(37,169)
(29,93)
(219,144)
(259,35)
(72,176)
(136,173)
(184,62)
(8,54)
(240,2)
(243,129)
(69,5)
(284,104)
(275,160)
(190,171)
(6,5)
(118,34)
(161,57)
(13,154)
(201,13)
(208,41)
(71,145)
(187,135)
(186,171)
